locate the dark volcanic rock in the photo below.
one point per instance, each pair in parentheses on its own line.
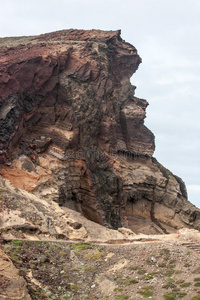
(73,131)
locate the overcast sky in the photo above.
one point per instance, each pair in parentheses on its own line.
(167,36)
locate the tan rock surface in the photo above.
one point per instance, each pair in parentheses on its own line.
(12,286)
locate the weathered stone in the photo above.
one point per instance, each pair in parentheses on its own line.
(72,130)
(12,286)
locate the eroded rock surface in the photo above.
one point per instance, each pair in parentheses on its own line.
(12,286)
(72,131)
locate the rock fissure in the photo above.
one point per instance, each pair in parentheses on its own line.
(154,220)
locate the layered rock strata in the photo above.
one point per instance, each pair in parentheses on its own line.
(72,131)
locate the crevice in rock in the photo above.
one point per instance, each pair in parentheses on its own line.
(153,218)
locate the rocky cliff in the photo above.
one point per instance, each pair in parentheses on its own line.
(72,131)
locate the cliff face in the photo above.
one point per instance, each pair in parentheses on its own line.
(72,131)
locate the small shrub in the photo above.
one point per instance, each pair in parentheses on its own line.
(170,280)
(169,273)
(187,265)
(196,271)
(146,291)
(148,276)
(146,294)
(40,242)
(17,243)
(118,290)
(162,265)
(186,284)
(180,281)
(197,284)
(167,251)
(169,285)
(62,253)
(121,297)
(32,266)
(74,287)
(174,296)
(94,256)
(21,272)
(178,272)
(127,281)
(82,246)
(133,267)
(197,279)
(170,296)
(176,290)
(181,294)
(75,269)
(141,271)
(196,297)
(89,268)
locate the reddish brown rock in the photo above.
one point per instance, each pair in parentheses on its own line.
(72,130)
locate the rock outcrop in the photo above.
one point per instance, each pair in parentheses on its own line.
(12,285)
(72,131)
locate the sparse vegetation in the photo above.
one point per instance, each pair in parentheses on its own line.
(169,273)
(162,265)
(82,246)
(127,281)
(146,292)
(170,296)
(122,297)
(141,271)
(68,269)
(94,256)
(197,284)
(148,276)
(89,268)
(17,242)
(169,285)
(174,295)
(74,287)
(165,251)
(181,294)
(180,281)
(196,271)
(178,272)
(197,279)
(185,284)
(170,280)
(133,267)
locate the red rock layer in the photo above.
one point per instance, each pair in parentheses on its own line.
(73,131)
